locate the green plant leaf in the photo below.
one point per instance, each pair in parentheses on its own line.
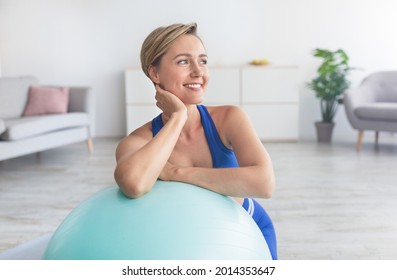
(331,82)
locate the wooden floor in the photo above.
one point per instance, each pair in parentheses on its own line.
(330,202)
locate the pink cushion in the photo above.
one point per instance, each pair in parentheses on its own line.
(47,100)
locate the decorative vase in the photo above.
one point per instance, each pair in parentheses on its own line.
(324,131)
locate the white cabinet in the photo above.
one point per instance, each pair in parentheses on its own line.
(223,87)
(268,94)
(269,85)
(274,122)
(270,97)
(139,98)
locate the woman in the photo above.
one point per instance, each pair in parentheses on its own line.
(213,147)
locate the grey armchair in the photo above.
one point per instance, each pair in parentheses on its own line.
(373,105)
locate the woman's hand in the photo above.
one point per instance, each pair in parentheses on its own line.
(168,102)
(168,171)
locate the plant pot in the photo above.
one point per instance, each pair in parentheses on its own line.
(324,131)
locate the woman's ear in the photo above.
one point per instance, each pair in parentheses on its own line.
(153,74)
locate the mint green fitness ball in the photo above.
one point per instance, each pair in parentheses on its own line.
(174,221)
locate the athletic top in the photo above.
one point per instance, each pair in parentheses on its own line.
(222,156)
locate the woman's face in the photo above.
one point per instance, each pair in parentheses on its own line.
(183,70)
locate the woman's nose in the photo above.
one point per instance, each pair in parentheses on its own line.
(196,70)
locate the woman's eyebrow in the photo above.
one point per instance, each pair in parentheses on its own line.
(189,55)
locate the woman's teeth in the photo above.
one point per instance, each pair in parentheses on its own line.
(193,85)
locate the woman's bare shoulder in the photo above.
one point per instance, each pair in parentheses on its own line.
(227,119)
(223,110)
(136,139)
(144,131)
(226,113)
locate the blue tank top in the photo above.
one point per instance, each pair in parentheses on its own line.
(222,156)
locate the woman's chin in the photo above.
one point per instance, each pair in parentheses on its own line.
(194,100)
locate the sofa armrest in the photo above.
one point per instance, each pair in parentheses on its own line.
(80,100)
(2,126)
(359,96)
(355,98)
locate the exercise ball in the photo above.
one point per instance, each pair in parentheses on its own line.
(174,221)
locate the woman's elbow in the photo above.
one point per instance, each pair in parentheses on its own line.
(131,191)
(268,185)
(268,190)
(131,186)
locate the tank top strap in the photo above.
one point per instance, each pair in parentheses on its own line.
(157,124)
(222,156)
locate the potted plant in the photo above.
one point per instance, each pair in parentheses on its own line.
(329,87)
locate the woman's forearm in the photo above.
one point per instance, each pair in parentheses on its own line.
(137,172)
(251,181)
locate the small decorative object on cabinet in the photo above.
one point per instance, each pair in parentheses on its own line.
(329,87)
(268,94)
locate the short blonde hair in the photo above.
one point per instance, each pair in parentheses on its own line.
(159,41)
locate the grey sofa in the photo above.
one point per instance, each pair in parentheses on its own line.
(24,135)
(373,105)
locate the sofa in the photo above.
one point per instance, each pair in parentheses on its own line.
(34,118)
(372,106)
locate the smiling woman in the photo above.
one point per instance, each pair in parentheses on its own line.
(212,147)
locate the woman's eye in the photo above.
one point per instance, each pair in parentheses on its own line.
(204,62)
(183,62)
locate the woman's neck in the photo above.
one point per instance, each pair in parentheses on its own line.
(193,119)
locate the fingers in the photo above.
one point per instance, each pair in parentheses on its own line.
(165,97)
(158,87)
(160,92)
(168,102)
(164,100)
(168,171)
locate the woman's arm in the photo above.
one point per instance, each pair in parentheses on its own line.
(141,157)
(255,176)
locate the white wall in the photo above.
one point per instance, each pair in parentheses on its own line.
(91,42)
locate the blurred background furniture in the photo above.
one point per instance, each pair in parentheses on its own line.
(22,133)
(373,105)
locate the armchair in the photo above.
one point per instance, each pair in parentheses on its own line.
(373,105)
